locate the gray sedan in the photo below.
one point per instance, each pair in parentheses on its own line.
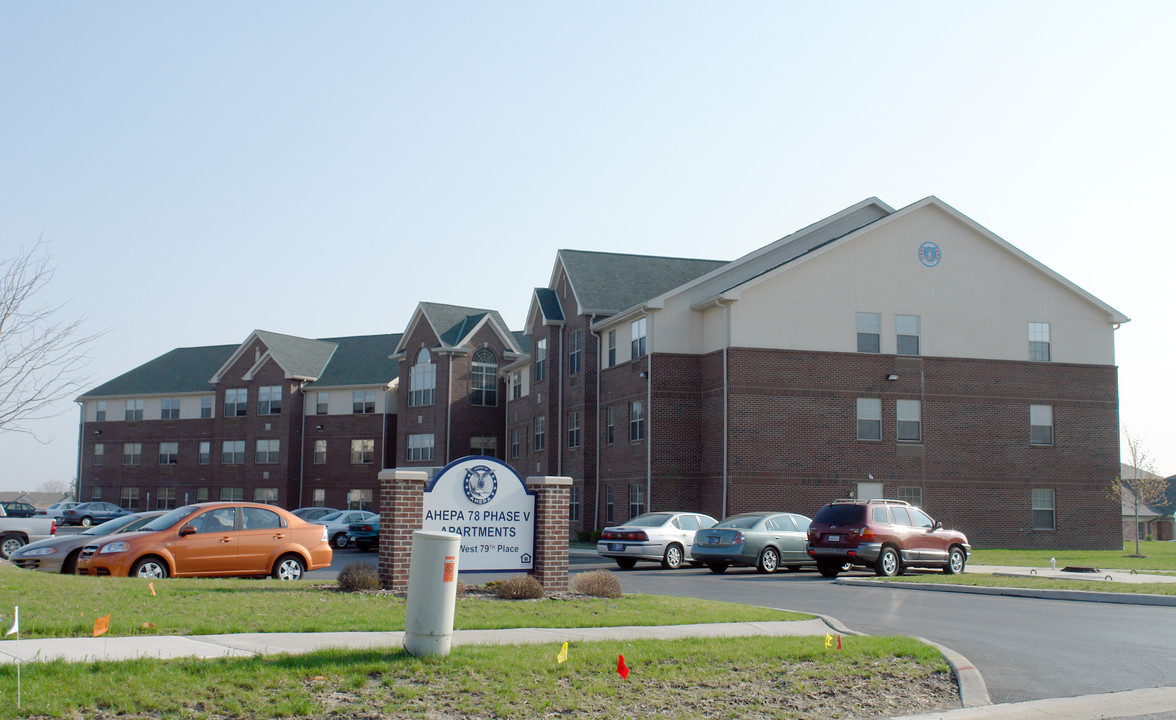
(763,540)
(59,554)
(664,537)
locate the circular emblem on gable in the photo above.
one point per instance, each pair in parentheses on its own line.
(929,254)
(480,484)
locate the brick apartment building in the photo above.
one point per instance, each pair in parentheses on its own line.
(878,352)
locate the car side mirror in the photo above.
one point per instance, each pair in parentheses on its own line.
(187,530)
(938,525)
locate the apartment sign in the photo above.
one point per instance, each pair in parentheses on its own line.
(485,502)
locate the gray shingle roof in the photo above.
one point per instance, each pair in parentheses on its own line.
(300,357)
(611,282)
(361,360)
(453,322)
(183,370)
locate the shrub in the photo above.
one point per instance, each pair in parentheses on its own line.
(597,583)
(359,576)
(519,587)
(588,536)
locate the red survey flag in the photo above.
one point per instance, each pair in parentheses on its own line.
(622,668)
(838,642)
(101,625)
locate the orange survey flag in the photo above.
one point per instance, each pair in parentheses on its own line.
(622,668)
(101,625)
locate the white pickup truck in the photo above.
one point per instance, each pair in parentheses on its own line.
(15,533)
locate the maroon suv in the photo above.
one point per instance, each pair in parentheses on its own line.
(887,535)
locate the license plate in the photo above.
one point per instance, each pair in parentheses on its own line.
(616,547)
(833,538)
(712,540)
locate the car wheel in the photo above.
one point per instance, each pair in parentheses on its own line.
(829,569)
(87,521)
(10,544)
(672,560)
(288,567)
(339,541)
(625,563)
(718,567)
(70,565)
(888,564)
(150,567)
(955,561)
(769,560)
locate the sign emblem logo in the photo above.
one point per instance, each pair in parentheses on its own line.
(480,484)
(929,254)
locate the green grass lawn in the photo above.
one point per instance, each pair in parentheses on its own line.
(1036,583)
(1159,556)
(68,605)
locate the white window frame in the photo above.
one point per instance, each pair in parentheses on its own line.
(236,402)
(422,380)
(515,443)
(134,410)
(869,332)
(540,433)
(207,403)
(574,429)
(637,344)
(1040,347)
(1040,425)
(420,447)
(99,454)
(869,410)
(484,379)
(265,495)
(100,411)
(269,400)
(636,500)
(359,499)
(233,452)
(363,451)
(204,452)
(169,408)
(129,498)
(612,348)
(907,334)
(363,402)
(132,454)
(169,453)
(1043,504)
(319,453)
(912,494)
(636,421)
(908,420)
(268,451)
(575,351)
(322,402)
(540,360)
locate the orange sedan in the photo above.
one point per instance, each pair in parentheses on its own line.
(213,539)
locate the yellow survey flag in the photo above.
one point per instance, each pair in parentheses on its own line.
(828,641)
(563,653)
(101,625)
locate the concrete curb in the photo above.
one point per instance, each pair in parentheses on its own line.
(973,689)
(1072,595)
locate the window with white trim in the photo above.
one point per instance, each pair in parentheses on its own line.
(363,451)
(169,408)
(636,420)
(608,504)
(363,402)
(610,416)
(132,453)
(575,351)
(909,420)
(484,379)
(206,404)
(869,418)
(1039,344)
(912,494)
(269,400)
(129,499)
(99,451)
(636,500)
(422,380)
(516,385)
(204,453)
(268,451)
(541,433)
(100,412)
(612,348)
(1041,425)
(232,494)
(134,410)
(420,447)
(484,445)
(637,343)
(1043,508)
(359,499)
(322,401)
(573,429)
(320,452)
(233,452)
(907,330)
(573,504)
(318,497)
(236,402)
(540,360)
(869,332)
(514,443)
(169,453)
(165,498)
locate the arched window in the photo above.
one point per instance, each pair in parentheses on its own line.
(484,380)
(422,380)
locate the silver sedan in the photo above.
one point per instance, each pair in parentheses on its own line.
(665,537)
(59,554)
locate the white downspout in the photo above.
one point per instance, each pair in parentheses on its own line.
(301,447)
(558,384)
(726,403)
(596,440)
(649,414)
(448,409)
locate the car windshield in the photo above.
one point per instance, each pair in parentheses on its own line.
(650,520)
(163,522)
(110,526)
(743,522)
(840,514)
(329,517)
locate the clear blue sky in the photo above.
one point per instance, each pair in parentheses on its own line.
(203,170)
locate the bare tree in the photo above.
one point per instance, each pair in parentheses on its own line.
(1143,486)
(42,356)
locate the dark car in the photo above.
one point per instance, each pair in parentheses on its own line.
(366,534)
(886,535)
(18,509)
(60,554)
(92,513)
